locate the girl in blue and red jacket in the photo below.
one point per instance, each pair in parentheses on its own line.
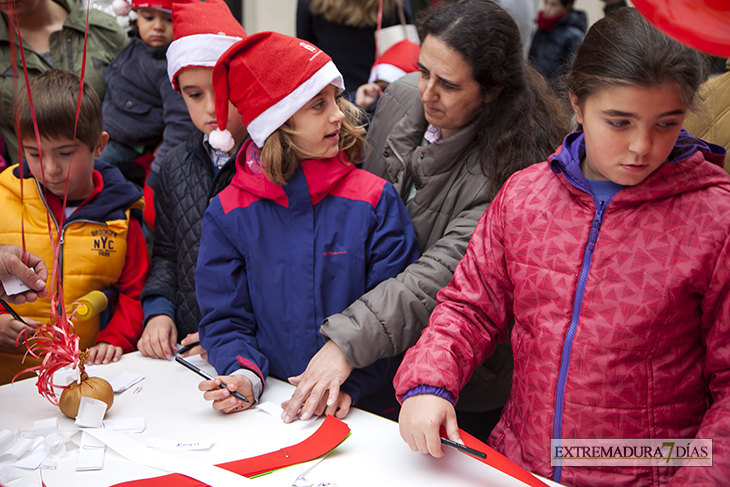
(300,233)
(607,268)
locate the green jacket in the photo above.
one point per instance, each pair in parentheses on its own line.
(105,39)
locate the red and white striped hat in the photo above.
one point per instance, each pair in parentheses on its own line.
(202,31)
(268,77)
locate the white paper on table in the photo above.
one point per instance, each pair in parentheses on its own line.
(55,444)
(20,446)
(44,427)
(127,425)
(136,452)
(88,441)
(125,381)
(7,438)
(276,411)
(162,444)
(8,474)
(90,459)
(91,412)
(34,457)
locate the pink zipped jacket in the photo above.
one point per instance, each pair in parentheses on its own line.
(619,314)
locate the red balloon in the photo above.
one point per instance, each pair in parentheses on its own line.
(702,24)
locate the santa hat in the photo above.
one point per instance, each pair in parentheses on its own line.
(202,31)
(268,77)
(123,7)
(396,62)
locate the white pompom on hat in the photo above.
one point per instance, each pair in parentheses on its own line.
(202,31)
(268,77)
(121,7)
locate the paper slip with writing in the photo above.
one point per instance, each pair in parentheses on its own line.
(178,445)
(275,410)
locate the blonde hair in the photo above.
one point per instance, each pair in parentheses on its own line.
(281,156)
(354,13)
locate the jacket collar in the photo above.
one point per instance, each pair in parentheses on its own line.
(322,176)
(110,204)
(688,167)
(439,157)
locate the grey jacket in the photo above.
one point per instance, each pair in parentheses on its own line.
(450,199)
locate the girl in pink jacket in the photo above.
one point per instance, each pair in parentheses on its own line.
(608,269)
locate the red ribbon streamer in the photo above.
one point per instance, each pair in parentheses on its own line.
(328,436)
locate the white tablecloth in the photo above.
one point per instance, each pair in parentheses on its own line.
(173,408)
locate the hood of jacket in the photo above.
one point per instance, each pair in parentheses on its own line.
(111,203)
(685,160)
(575,18)
(322,175)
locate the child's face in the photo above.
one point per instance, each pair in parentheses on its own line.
(629,131)
(58,155)
(318,124)
(196,86)
(155,27)
(553,8)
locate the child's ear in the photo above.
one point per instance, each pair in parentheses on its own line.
(101,143)
(576,107)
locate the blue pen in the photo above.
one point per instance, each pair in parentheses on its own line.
(207,376)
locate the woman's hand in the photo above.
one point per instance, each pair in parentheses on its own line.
(327,370)
(222,399)
(103,353)
(158,338)
(10,328)
(339,409)
(420,420)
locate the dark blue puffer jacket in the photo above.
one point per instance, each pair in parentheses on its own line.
(551,53)
(140,106)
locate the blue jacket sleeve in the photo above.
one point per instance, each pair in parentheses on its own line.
(392,246)
(228,327)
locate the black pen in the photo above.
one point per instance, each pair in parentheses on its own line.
(187,348)
(464,448)
(12,312)
(205,375)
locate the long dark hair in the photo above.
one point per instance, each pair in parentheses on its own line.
(624,49)
(525,122)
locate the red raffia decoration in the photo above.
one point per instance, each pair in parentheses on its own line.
(56,342)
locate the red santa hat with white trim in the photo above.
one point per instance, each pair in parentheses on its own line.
(268,77)
(400,59)
(123,7)
(202,31)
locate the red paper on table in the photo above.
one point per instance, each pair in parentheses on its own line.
(497,460)
(328,436)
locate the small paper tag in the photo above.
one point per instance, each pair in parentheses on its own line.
(91,412)
(44,427)
(13,286)
(90,459)
(127,425)
(125,381)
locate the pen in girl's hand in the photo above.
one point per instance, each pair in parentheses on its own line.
(187,348)
(464,448)
(12,312)
(207,376)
